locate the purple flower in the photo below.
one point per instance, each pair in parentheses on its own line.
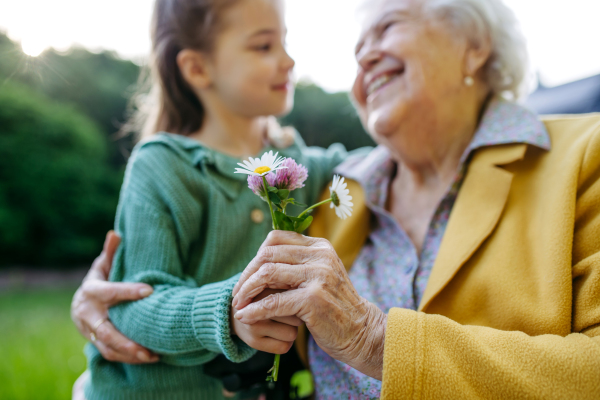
(291,176)
(256,184)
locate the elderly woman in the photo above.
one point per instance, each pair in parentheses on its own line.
(480,275)
(474,259)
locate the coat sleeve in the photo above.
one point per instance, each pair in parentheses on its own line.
(433,357)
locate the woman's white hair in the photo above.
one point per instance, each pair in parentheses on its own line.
(507,70)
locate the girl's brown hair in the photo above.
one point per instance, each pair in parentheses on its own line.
(165,102)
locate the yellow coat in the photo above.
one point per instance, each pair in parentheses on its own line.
(512,306)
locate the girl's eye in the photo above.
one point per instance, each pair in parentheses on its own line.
(263,48)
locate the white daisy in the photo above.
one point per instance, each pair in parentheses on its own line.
(261,166)
(340,197)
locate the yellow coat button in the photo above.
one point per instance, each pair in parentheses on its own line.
(257,216)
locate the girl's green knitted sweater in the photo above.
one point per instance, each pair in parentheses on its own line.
(189,226)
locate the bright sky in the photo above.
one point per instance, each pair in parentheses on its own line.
(563,36)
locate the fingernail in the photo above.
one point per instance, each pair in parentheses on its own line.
(143,356)
(146,291)
(234,302)
(238,315)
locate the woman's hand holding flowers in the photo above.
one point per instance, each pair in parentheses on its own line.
(345,325)
(273,179)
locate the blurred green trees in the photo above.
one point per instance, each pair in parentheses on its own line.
(324,118)
(61,162)
(57,191)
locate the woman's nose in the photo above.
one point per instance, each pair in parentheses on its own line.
(368,56)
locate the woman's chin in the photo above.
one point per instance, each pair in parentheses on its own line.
(381,124)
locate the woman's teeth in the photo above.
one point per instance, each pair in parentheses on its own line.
(379,82)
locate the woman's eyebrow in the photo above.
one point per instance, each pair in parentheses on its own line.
(386,17)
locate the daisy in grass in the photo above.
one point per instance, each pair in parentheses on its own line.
(273,179)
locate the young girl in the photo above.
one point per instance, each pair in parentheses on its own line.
(188,223)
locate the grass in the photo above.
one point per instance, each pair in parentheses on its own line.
(40,350)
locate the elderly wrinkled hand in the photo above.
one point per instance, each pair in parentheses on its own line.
(343,324)
(89,309)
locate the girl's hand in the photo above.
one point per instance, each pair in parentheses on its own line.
(89,309)
(275,335)
(345,325)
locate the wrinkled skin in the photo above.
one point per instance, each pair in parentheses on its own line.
(319,292)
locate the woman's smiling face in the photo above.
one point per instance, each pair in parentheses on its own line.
(411,72)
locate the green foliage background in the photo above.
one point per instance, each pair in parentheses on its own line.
(61,162)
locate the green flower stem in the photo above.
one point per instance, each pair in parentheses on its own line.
(266,185)
(275,371)
(314,206)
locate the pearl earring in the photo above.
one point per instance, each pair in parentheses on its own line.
(469,81)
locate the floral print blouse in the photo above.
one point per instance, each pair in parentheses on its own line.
(388,271)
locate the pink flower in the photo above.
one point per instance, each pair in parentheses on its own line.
(255,183)
(291,176)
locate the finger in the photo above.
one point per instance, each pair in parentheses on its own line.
(107,353)
(127,350)
(286,254)
(291,320)
(99,269)
(277,305)
(298,243)
(111,243)
(270,345)
(289,254)
(275,330)
(277,238)
(112,293)
(101,266)
(274,276)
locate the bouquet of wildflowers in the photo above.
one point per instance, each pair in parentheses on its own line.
(273,179)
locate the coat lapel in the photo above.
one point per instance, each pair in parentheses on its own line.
(475,214)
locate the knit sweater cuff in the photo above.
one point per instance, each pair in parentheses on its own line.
(402,360)
(211,316)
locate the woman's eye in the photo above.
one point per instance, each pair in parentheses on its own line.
(387,26)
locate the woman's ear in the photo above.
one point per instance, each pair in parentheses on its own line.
(476,56)
(192,65)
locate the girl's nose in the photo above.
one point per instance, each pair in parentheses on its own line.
(288,62)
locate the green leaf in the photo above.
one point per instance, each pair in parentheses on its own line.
(283,193)
(274,198)
(296,203)
(284,222)
(302,226)
(272,189)
(296,219)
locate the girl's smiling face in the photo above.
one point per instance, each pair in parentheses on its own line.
(249,68)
